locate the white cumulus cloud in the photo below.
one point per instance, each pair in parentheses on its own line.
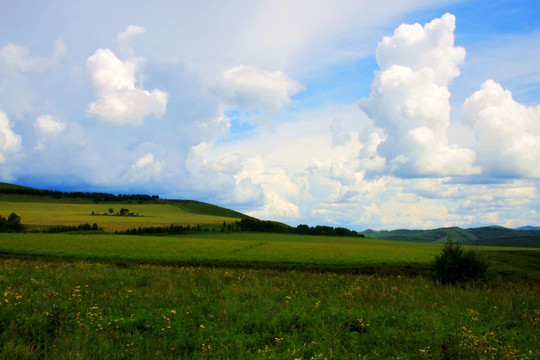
(277,206)
(146,168)
(508,132)
(217,176)
(120,100)
(410,100)
(47,129)
(124,38)
(17,57)
(10,142)
(250,88)
(47,125)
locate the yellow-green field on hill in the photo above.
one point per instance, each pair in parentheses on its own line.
(41,214)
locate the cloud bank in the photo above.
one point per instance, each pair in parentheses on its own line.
(258,109)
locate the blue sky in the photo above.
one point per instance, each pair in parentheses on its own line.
(410,114)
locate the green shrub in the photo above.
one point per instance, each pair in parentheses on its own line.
(454,265)
(11,224)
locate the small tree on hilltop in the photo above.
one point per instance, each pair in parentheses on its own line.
(454,265)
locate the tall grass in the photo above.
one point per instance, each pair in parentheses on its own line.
(69,310)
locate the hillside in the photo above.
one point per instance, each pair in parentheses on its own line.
(39,208)
(23,194)
(201,208)
(481,236)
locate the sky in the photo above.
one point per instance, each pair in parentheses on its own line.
(414,114)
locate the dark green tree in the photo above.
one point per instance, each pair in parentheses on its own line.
(11,224)
(455,265)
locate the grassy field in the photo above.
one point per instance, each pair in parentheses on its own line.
(238,295)
(249,247)
(39,215)
(82,310)
(257,250)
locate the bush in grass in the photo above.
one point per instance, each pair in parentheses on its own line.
(454,265)
(11,224)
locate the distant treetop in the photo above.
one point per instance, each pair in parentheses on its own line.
(95,196)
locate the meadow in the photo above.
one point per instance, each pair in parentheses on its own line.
(93,310)
(221,247)
(238,295)
(43,214)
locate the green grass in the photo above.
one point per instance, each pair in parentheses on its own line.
(40,215)
(245,247)
(197,207)
(285,251)
(70,310)
(4,185)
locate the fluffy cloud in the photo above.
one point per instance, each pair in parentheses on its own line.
(145,169)
(47,125)
(48,129)
(277,207)
(119,100)
(17,67)
(249,88)
(10,142)
(215,176)
(508,132)
(410,100)
(124,38)
(408,211)
(17,58)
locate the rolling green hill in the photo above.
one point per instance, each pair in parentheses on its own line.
(481,236)
(197,207)
(40,209)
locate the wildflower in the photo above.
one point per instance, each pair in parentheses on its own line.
(173,312)
(201,326)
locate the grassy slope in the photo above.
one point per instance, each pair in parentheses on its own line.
(42,211)
(46,214)
(483,236)
(187,206)
(197,207)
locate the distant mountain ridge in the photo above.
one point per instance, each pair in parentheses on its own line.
(528,236)
(528,227)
